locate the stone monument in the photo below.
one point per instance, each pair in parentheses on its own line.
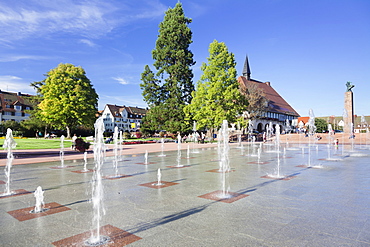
(348,106)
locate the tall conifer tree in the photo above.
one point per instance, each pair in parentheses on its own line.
(169,89)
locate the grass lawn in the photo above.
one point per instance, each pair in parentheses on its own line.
(41,143)
(33,143)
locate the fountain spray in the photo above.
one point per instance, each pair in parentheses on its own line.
(9,144)
(97,186)
(39,195)
(62,151)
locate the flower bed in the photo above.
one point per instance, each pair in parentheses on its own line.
(137,142)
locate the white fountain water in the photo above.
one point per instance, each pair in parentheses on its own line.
(188,152)
(345,115)
(115,150)
(224,163)
(9,145)
(195,137)
(259,155)
(330,139)
(146,157)
(179,151)
(363,124)
(311,135)
(39,206)
(120,144)
(277,143)
(162,148)
(159,178)
(97,187)
(62,151)
(85,162)
(224,147)
(239,134)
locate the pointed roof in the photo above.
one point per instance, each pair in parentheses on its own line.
(246,69)
(276,103)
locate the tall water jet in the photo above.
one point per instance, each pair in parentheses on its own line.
(363,124)
(195,137)
(224,146)
(224,163)
(311,134)
(62,151)
(97,186)
(162,148)
(278,149)
(39,206)
(179,151)
(85,162)
(330,139)
(146,157)
(239,134)
(115,150)
(345,116)
(120,144)
(9,145)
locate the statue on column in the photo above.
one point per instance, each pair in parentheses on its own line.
(349,86)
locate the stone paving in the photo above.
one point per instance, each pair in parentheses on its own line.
(324,204)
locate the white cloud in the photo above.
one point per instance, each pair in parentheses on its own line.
(120,80)
(14,58)
(15,84)
(87,42)
(92,19)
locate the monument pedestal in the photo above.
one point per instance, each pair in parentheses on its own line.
(348,106)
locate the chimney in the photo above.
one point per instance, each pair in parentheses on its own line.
(268,83)
(19,93)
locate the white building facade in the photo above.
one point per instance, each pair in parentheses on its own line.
(13,106)
(126,118)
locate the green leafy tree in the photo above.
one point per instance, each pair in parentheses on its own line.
(169,89)
(69,99)
(321,125)
(217,96)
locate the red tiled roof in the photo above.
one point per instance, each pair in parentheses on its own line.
(276,102)
(303,119)
(116,109)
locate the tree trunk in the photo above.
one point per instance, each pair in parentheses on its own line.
(68,132)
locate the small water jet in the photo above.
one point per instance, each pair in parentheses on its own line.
(9,145)
(40,205)
(159,178)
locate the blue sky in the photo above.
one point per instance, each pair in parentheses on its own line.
(308,50)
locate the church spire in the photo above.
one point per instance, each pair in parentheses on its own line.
(246,69)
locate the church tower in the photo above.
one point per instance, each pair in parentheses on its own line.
(246,69)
